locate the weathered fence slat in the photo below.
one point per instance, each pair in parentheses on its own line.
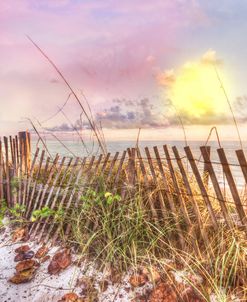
(102,170)
(129,152)
(86,178)
(180,198)
(113,162)
(129,178)
(232,186)
(25,179)
(39,190)
(56,187)
(18,174)
(68,204)
(52,186)
(94,179)
(243,163)
(39,202)
(73,174)
(131,171)
(8,182)
(82,186)
(14,154)
(17,151)
(201,186)
(160,196)
(31,174)
(205,168)
(169,198)
(30,204)
(12,151)
(144,174)
(211,173)
(25,147)
(15,170)
(119,169)
(1,173)
(21,174)
(176,186)
(93,172)
(190,195)
(51,171)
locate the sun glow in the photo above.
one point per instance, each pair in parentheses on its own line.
(196,92)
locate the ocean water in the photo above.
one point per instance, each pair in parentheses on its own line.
(74,147)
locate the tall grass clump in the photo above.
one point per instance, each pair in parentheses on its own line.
(222,268)
(115,226)
(116,231)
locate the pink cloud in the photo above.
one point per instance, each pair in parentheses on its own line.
(108,48)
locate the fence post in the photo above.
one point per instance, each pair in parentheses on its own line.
(25,150)
(119,169)
(131,167)
(206,166)
(176,187)
(7,171)
(233,187)
(146,183)
(155,180)
(201,186)
(187,185)
(211,173)
(169,198)
(113,162)
(242,162)
(1,172)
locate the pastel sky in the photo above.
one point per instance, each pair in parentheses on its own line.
(115,53)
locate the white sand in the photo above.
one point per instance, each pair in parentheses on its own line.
(49,288)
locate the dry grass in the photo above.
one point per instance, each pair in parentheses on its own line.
(113,224)
(122,233)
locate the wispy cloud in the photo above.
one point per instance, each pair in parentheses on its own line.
(107,48)
(132,114)
(145,114)
(113,49)
(210,57)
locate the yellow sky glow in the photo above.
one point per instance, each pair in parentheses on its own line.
(196,91)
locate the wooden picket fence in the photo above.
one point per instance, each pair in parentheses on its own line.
(15,160)
(175,186)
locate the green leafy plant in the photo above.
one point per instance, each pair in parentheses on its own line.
(92,198)
(16,212)
(110,198)
(46,212)
(3,210)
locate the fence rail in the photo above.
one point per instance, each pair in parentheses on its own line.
(176,186)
